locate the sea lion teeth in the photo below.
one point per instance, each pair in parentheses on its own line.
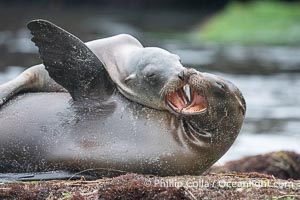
(187,91)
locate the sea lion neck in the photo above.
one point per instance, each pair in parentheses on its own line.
(115,52)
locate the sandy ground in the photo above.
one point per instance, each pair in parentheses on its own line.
(134,186)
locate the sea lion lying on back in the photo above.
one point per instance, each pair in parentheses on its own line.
(133,109)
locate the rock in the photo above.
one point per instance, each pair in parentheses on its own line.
(282,164)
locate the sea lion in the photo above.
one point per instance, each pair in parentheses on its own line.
(96,126)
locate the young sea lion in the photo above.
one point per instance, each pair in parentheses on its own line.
(109,124)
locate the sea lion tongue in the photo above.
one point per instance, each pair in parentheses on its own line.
(198,103)
(178,99)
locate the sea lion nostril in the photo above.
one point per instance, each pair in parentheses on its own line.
(181,75)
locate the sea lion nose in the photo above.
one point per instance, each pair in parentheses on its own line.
(181,75)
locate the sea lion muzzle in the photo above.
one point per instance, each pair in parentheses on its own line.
(186,99)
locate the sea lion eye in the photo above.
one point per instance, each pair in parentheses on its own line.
(221,85)
(151,78)
(150,75)
(220,89)
(150,72)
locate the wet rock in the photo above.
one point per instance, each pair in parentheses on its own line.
(282,164)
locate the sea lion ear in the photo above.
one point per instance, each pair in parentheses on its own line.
(130,77)
(70,62)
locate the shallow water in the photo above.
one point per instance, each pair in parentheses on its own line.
(273,114)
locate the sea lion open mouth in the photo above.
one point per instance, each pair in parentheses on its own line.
(187,100)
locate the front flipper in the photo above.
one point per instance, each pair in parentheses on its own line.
(34,79)
(42,176)
(70,62)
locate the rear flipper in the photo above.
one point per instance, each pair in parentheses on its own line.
(34,79)
(71,63)
(68,61)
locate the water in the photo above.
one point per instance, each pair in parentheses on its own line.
(10,73)
(273,114)
(273,110)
